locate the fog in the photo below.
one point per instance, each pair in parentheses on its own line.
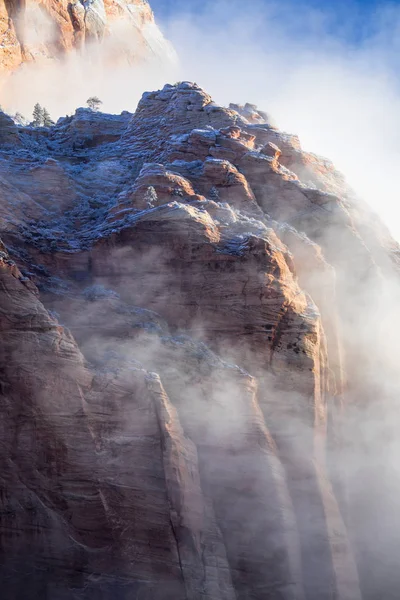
(118,67)
(266,419)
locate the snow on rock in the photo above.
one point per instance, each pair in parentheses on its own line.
(176,436)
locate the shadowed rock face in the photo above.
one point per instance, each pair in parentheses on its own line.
(191,404)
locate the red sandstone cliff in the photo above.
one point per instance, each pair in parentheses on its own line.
(35,30)
(199,413)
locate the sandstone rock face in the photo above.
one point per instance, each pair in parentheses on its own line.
(198,395)
(47,29)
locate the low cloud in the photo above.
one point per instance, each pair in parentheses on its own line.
(132,58)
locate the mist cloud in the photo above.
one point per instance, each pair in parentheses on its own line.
(134,57)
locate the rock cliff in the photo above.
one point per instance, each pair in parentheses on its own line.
(198,390)
(35,30)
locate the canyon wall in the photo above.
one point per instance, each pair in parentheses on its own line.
(198,374)
(32,30)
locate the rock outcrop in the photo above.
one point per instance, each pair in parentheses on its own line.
(198,392)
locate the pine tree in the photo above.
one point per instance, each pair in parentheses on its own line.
(38,116)
(94,103)
(19,119)
(47,120)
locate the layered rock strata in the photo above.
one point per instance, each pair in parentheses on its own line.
(197,391)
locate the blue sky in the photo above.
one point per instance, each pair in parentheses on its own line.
(353,20)
(165,8)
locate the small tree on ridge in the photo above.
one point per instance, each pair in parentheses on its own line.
(47,120)
(19,119)
(37,115)
(41,116)
(94,103)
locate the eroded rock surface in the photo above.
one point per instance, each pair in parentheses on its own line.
(196,371)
